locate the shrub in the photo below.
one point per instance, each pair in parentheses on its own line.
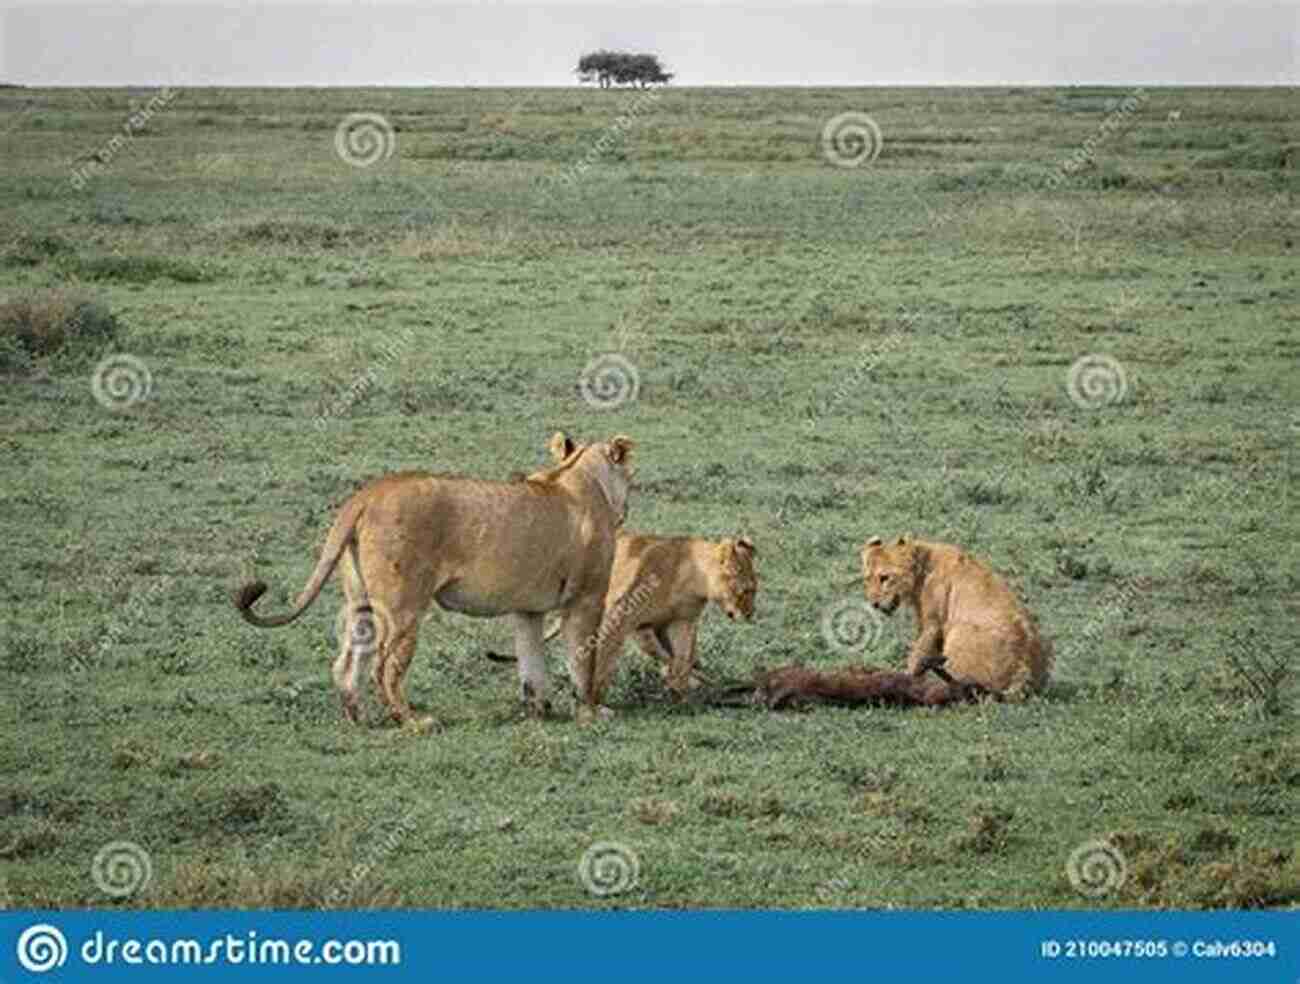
(50,322)
(137,269)
(34,249)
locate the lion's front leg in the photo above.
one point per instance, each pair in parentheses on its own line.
(927,646)
(587,648)
(681,639)
(531,661)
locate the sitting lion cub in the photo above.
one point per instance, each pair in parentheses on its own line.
(659,587)
(967,617)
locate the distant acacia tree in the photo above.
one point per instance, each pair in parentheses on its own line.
(621,68)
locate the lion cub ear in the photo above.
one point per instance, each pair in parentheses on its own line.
(875,541)
(904,540)
(620,448)
(746,544)
(561,445)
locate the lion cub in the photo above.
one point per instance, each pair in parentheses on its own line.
(659,588)
(966,615)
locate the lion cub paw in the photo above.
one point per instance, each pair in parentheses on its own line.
(420,725)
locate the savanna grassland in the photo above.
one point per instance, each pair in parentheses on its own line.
(822,353)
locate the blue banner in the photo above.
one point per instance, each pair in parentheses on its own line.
(646,946)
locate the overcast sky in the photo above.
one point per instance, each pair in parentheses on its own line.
(514,42)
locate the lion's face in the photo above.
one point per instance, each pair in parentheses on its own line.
(737,582)
(889,573)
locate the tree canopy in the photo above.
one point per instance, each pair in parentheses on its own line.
(621,68)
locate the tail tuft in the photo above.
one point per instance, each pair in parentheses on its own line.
(498,658)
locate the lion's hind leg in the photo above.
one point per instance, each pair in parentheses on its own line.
(354,647)
(345,674)
(397,652)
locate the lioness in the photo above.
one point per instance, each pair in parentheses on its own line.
(659,588)
(967,617)
(480,548)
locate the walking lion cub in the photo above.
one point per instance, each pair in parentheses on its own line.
(659,588)
(480,548)
(967,618)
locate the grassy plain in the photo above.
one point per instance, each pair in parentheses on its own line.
(823,353)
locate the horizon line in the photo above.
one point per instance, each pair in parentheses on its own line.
(616,89)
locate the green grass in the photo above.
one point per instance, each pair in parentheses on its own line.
(824,354)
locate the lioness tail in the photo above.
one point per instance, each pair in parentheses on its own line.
(341,534)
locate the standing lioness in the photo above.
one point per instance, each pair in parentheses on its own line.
(966,616)
(480,548)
